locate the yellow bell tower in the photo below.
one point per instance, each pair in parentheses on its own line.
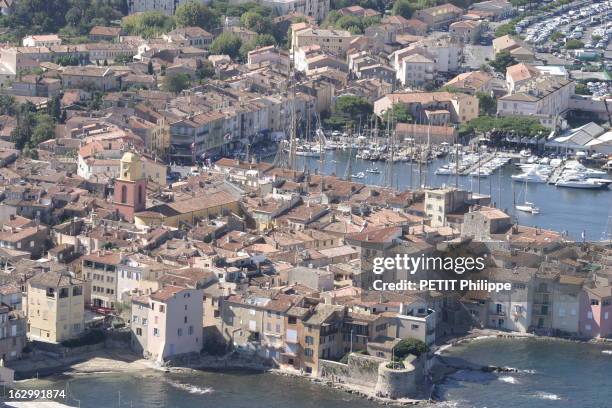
(130,194)
(131,167)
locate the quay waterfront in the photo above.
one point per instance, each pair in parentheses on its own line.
(564,210)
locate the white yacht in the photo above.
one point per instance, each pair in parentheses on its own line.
(530,177)
(528,208)
(359,175)
(574,181)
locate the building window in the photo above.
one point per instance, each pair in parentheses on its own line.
(144,321)
(77,291)
(156,332)
(123,194)
(161,308)
(179,332)
(140,195)
(309,340)
(139,331)
(308,352)
(594,302)
(190,330)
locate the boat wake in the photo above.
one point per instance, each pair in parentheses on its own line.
(192,389)
(508,379)
(607,351)
(548,396)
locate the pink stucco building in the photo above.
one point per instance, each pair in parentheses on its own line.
(168,322)
(596,312)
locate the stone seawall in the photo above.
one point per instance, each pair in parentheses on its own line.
(372,375)
(360,370)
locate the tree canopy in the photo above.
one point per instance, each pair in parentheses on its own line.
(502,61)
(73,17)
(256,21)
(398,113)
(354,24)
(519,125)
(349,110)
(195,14)
(261,40)
(147,24)
(487,104)
(176,82)
(227,43)
(409,346)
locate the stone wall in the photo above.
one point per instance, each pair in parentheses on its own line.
(361,370)
(372,373)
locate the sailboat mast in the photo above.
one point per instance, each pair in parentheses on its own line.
(456,162)
(292,141)
(350,158)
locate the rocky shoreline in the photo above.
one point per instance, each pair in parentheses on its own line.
(119,361)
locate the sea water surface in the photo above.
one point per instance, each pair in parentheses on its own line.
(562,209)
(550,374)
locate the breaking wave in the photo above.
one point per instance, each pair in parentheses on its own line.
(508,379)
(548,396)
(192,389)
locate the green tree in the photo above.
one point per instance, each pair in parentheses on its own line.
(148,24)
(123,59)
(261,40)
(349,110)
(403,8)
(257,22)
(54,108)
(573,44)
(66,60)
(582,89)
(353,106)
(226,43)
(409,346)
(505,29)
(398,113)
(176,82)
(502,61)
(520,125)
(7,105)
(196,14)
(205,70)
(43,130)
(486,104)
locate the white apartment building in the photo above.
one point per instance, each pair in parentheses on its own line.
(336,42)
(416,69)
(47,40)
(444,52)
(545,98)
